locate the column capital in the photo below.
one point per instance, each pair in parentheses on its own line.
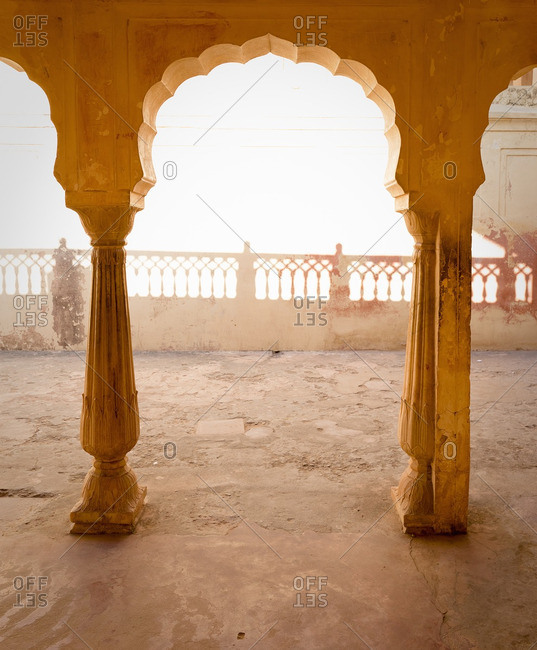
(107,217)
(422,226)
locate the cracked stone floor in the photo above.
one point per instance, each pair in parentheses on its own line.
(236,522)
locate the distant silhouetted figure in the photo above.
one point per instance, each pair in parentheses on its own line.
(67,299)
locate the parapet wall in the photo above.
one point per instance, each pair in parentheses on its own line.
(251,301)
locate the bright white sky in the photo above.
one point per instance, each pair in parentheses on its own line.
(296,166)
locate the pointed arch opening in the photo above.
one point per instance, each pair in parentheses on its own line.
(184,69)
(378,285)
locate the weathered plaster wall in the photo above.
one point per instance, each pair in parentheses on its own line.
(505,206)
(245,323)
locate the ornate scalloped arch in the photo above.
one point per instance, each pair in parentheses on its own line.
(216,55)
(55,114)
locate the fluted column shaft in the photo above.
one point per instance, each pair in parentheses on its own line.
(416,431)
(111,499)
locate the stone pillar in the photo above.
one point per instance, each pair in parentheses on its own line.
(112,500)
(451,467)
(414,495)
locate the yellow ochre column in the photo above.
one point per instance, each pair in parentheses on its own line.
(112,500)
(414,494)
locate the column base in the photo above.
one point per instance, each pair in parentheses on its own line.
(96,523)
(413,524)
(111,503)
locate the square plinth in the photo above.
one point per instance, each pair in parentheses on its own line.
(110,522)
(413,524)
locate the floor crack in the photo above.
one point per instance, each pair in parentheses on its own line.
(433,593)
